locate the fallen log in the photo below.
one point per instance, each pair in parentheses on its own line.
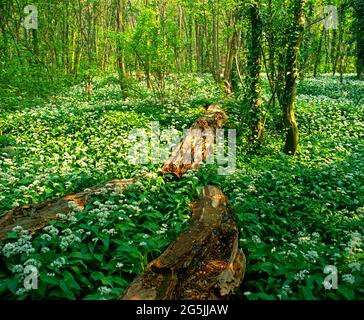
(197,144)
(34,217)
(204,263)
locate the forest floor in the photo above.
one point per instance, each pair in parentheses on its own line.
(297,215)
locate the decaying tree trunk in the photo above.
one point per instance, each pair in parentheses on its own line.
(34,217)
(198,144)
(204,263)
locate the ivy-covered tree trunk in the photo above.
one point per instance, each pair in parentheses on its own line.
(294,43)
(359,27)
(256,118)
(120,56)
(215,31)
(318,53)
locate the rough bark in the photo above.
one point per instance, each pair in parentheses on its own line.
(359,26)
(256,117)
(289,95)
(193,145)
(34,217)
(318,54)
(120,56)
(204,263)
(231,51)
(215,32)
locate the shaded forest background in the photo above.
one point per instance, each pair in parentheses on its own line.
(78,40)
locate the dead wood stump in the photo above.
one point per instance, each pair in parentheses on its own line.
(34,217)
(204,263)
(198,144)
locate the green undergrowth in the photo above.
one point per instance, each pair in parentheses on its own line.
(296,215)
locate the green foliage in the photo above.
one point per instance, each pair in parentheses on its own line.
(95,253)
(296,215)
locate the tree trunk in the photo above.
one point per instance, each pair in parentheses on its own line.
(327,51)
(34,217)
(73,56)
(318,53)
(271,41)
(215,31)
(120,56)
(204,263)
(193,144)
(359,25)
(338,52)
(294,44)
(333,50)
(255,54)
(231,53)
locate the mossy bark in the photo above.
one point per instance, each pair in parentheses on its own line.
(289,94)
(204,263)
(256,117)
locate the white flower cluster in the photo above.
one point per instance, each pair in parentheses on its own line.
(46,237)
(109,231)
(348,278)
(291,254)
(51,230)
(309,239)
(68,239)
(256,239)
(163,229)
(301,275)
(18,268)
(21,291)
(311,256)
(74,206)
(355,266)
(355,244)
(58,263)
(286,289)
(69,217)
(102,213)
(44,250)
(133,208)
(22,245)
(316,235)
(251,188)
(19,230)
(33,262)
(104,291)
